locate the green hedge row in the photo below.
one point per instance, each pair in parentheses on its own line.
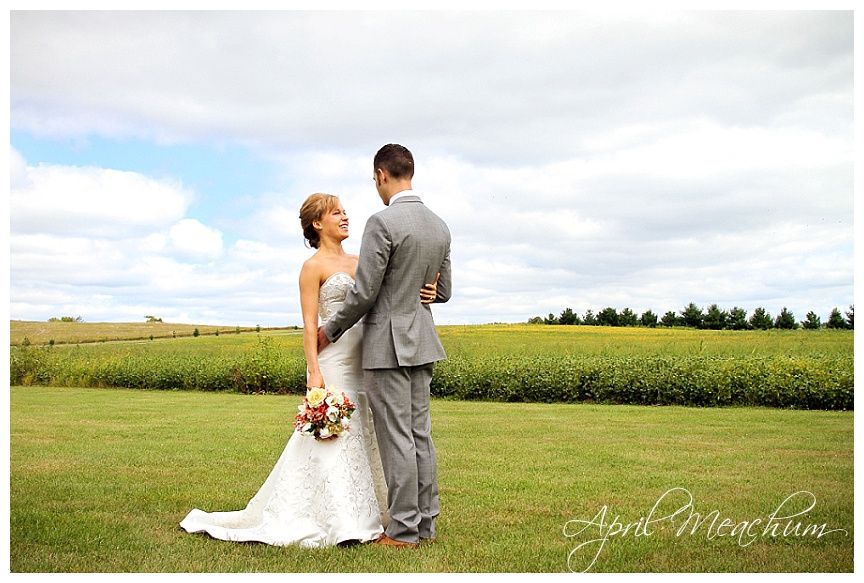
(261,370)
(808,383)
(799,383)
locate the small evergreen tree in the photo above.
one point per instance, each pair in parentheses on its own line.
(608,317)
(692,316)
(850,317)
(628,318)
(715,318)
(785,321)
(737,319)
(670,319)
(589,319)
(835,320)
(568,318)
(761,320)
(812,321)
(648,319)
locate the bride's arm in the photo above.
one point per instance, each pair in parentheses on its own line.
(309,285)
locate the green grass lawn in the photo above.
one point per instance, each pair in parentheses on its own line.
(100,478)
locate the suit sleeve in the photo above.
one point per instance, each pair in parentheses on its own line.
(445,282)
(371,267)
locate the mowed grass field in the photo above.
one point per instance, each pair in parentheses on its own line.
(497,339)
(100,477)
(21,331)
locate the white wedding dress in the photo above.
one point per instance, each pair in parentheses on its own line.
(320,493)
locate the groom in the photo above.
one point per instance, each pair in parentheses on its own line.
(404,247)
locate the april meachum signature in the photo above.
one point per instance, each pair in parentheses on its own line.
(777,524)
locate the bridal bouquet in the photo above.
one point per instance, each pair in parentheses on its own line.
(324,414)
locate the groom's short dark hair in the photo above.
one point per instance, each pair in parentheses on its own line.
(396,160)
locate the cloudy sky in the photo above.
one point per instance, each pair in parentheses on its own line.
(639,160)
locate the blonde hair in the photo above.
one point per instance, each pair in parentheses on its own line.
(312,210)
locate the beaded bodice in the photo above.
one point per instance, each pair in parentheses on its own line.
(332,294)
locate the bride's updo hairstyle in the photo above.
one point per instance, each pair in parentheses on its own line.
(312,210)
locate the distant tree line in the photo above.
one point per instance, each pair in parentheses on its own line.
(714,318)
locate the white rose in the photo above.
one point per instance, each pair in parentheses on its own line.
(315,396)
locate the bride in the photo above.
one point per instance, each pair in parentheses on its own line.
(320,493)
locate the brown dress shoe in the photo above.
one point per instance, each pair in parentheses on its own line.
(386,541)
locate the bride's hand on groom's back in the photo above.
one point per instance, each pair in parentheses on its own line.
(429,291)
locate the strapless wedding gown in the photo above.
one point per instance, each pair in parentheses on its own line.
(320,493)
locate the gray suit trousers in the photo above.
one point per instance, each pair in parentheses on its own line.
(399,399)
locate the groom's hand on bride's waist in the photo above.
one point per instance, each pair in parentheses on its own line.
(323,341)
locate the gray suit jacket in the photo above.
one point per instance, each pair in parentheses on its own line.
(404,247)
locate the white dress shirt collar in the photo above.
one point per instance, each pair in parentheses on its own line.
(400,194)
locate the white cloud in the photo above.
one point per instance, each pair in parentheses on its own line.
(91,201)
(190,238)
(581,159)
(491,85)
(79,232)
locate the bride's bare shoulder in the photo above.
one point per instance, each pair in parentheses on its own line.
(313,262)
(312,269)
